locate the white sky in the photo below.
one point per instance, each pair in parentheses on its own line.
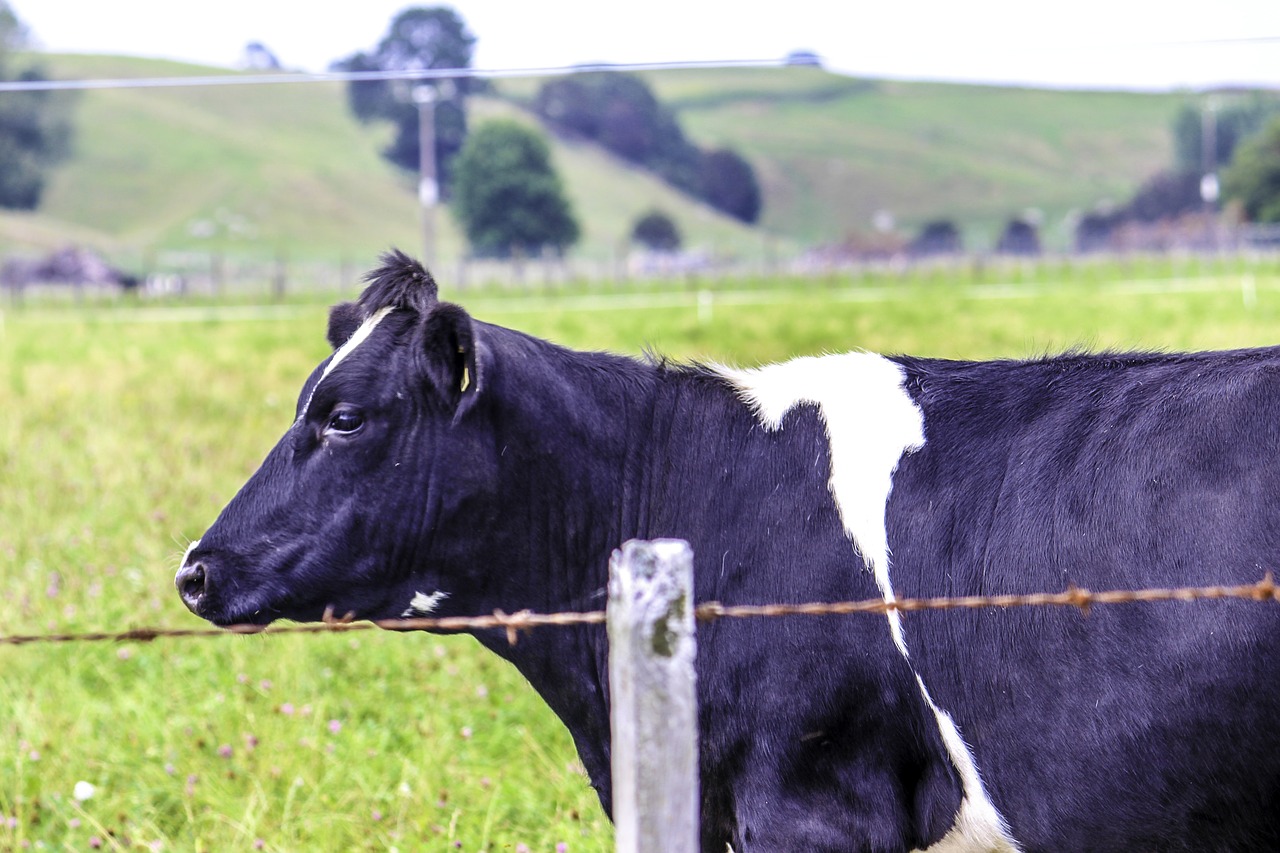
(1104,43)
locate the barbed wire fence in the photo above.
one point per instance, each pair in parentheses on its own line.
(651,621)
(525,621)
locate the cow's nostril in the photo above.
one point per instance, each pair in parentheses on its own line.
(191,584)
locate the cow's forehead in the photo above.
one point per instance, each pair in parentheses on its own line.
(360,336)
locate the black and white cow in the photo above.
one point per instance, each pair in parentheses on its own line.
(442,465)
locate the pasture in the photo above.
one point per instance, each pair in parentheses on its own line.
(126,427)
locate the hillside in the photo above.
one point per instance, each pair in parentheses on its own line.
(832,150)
(258,169)
(284,169)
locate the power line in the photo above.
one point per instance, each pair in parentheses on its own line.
(426,74)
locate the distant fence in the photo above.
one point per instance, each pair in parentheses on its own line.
(215,274)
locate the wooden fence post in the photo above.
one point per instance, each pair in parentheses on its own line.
(651,682)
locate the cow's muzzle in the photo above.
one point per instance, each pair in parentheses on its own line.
(191,581)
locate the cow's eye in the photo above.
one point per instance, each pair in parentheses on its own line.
(345,422)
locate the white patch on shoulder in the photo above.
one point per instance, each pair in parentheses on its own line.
(423,604)
(871,423)
(357,338)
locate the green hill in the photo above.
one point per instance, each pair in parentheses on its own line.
(258,169)
(832,150)
(284,169)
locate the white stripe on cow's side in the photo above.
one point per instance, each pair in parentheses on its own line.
(871,423)
(357,338)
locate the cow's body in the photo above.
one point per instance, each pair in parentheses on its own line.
(492,470)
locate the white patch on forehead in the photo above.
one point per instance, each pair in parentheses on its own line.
(871,423)
(360,336)
(423,604)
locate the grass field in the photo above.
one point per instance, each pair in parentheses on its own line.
(125,429)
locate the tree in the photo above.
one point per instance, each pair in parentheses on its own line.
(420,38)
(729,185)
(258,57)
(938,237)
(1254,175)
(35,127)
(1019,237)
(656,231)
(621,113)
(1095,230)
(1165,195)
(507,196)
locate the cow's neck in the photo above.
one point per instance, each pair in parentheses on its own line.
(571,433)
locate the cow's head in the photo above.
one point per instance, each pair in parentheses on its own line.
(343,506)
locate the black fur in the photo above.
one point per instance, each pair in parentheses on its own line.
(400,282)
(344,319)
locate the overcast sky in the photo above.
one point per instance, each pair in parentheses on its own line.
(1096,43)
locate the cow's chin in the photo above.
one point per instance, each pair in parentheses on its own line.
(262,614)
(259,611)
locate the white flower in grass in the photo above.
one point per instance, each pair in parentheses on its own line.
(83,791)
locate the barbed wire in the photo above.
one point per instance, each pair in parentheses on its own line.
(525,621)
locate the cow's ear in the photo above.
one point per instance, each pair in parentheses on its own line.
(344,319)
(449,355)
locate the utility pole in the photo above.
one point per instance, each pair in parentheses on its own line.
(1209,188)
(428,187)
(1209,155)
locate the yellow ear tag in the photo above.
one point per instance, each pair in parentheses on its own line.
(466,374)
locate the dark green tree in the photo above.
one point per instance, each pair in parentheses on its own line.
(729,185)
(621,113)
(35,127)
(420,38)
(936,237)
(1095,230)
(1253,178)
(656,231)
(507,195)
(1165,195)
(1019,237)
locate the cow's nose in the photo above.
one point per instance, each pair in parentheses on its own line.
(190,582)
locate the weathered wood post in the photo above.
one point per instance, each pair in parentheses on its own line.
(651,682)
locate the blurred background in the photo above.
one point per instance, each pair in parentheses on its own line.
(267,148)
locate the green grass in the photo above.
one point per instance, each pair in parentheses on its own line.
(125,431)
(264,169)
